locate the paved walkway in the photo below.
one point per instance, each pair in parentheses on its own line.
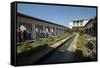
(70,53)
(72,46)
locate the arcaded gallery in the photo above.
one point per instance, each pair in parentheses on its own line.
(38,28)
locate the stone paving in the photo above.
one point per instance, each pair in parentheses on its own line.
(70,53)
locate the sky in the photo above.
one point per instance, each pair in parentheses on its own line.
(57,14)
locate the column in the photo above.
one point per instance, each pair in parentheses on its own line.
(33,31)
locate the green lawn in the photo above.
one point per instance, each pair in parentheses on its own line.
(80,41)
(79,45)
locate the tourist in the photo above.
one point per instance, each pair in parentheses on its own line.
(19,39)
(29,34)
(24,35)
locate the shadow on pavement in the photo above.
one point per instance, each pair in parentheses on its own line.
(53,57)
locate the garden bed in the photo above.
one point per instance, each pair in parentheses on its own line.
(86,49)
(37,45)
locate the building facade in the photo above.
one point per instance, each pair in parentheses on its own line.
(39,28)
(77,25)
(91,27)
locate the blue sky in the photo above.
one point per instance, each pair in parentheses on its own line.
(57,14)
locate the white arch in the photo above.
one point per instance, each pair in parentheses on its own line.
(22,28)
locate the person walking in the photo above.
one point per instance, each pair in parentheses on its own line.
(29,34)
(19,39)
(24,35)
